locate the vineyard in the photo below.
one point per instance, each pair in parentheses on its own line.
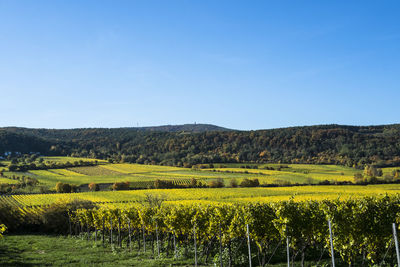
(178,227)
(105,173)
(211,195)
(259,233)
(208,226)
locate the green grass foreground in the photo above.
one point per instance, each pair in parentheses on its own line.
(47,250)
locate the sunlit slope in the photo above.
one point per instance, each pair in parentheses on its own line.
(214,195)
(138,174)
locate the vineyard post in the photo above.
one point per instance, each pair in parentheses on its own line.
(144,239)
(129,233)
(88,230)
(69,221)
(248,243)
(138,241)
(287,248)
(158,244)
(220,246)
(331,241)
(396,243)
(111,230)
(104,222)
(119,232)
(195,246)
(175,252)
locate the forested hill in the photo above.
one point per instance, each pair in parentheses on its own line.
(71,133)
(193,144)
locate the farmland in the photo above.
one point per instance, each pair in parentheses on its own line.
(297,189)
(105,172)
(212,195)
(126,229)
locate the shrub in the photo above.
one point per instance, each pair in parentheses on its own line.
(10,216)
(358,178)
(324,182)
(93,187)
(121,186)
(388,178)
(250,183)
(55,218)
(161,184)
(66,188)
(233,183)
(193,182)
(3,228)
(216,183)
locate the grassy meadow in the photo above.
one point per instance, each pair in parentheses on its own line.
(41,250)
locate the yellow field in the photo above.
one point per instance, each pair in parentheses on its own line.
(138,168)
(217,195)
(66,172)
(138,174)
(7,181)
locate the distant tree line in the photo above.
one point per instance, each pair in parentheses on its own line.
(22,167)
(325,144)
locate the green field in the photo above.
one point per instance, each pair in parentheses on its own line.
(46,250)
(41,250)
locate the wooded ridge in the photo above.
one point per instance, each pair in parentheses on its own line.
(187,145)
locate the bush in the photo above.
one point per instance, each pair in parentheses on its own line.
(93,187)
(216,183)
(324,182)
(120,186)
(66,188)
(388,178)
(161,184)
(10,216)
(55,218)
(249,183)
(358,178)
(193,183)
(233,183)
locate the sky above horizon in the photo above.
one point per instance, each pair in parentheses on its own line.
(237,64)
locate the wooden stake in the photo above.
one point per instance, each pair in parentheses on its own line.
(158,244)
(287,250)
(396,244)
(331,240)
(175,252)
(248,243)
(104,222)
(111,231)
(129,233)
(220,247)
(195,245)
(144,239)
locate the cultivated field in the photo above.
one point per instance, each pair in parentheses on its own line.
(139,175)
(211,195)
(112,220)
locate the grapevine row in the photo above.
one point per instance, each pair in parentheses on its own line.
(361,228)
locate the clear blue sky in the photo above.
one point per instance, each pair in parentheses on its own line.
(238,64)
